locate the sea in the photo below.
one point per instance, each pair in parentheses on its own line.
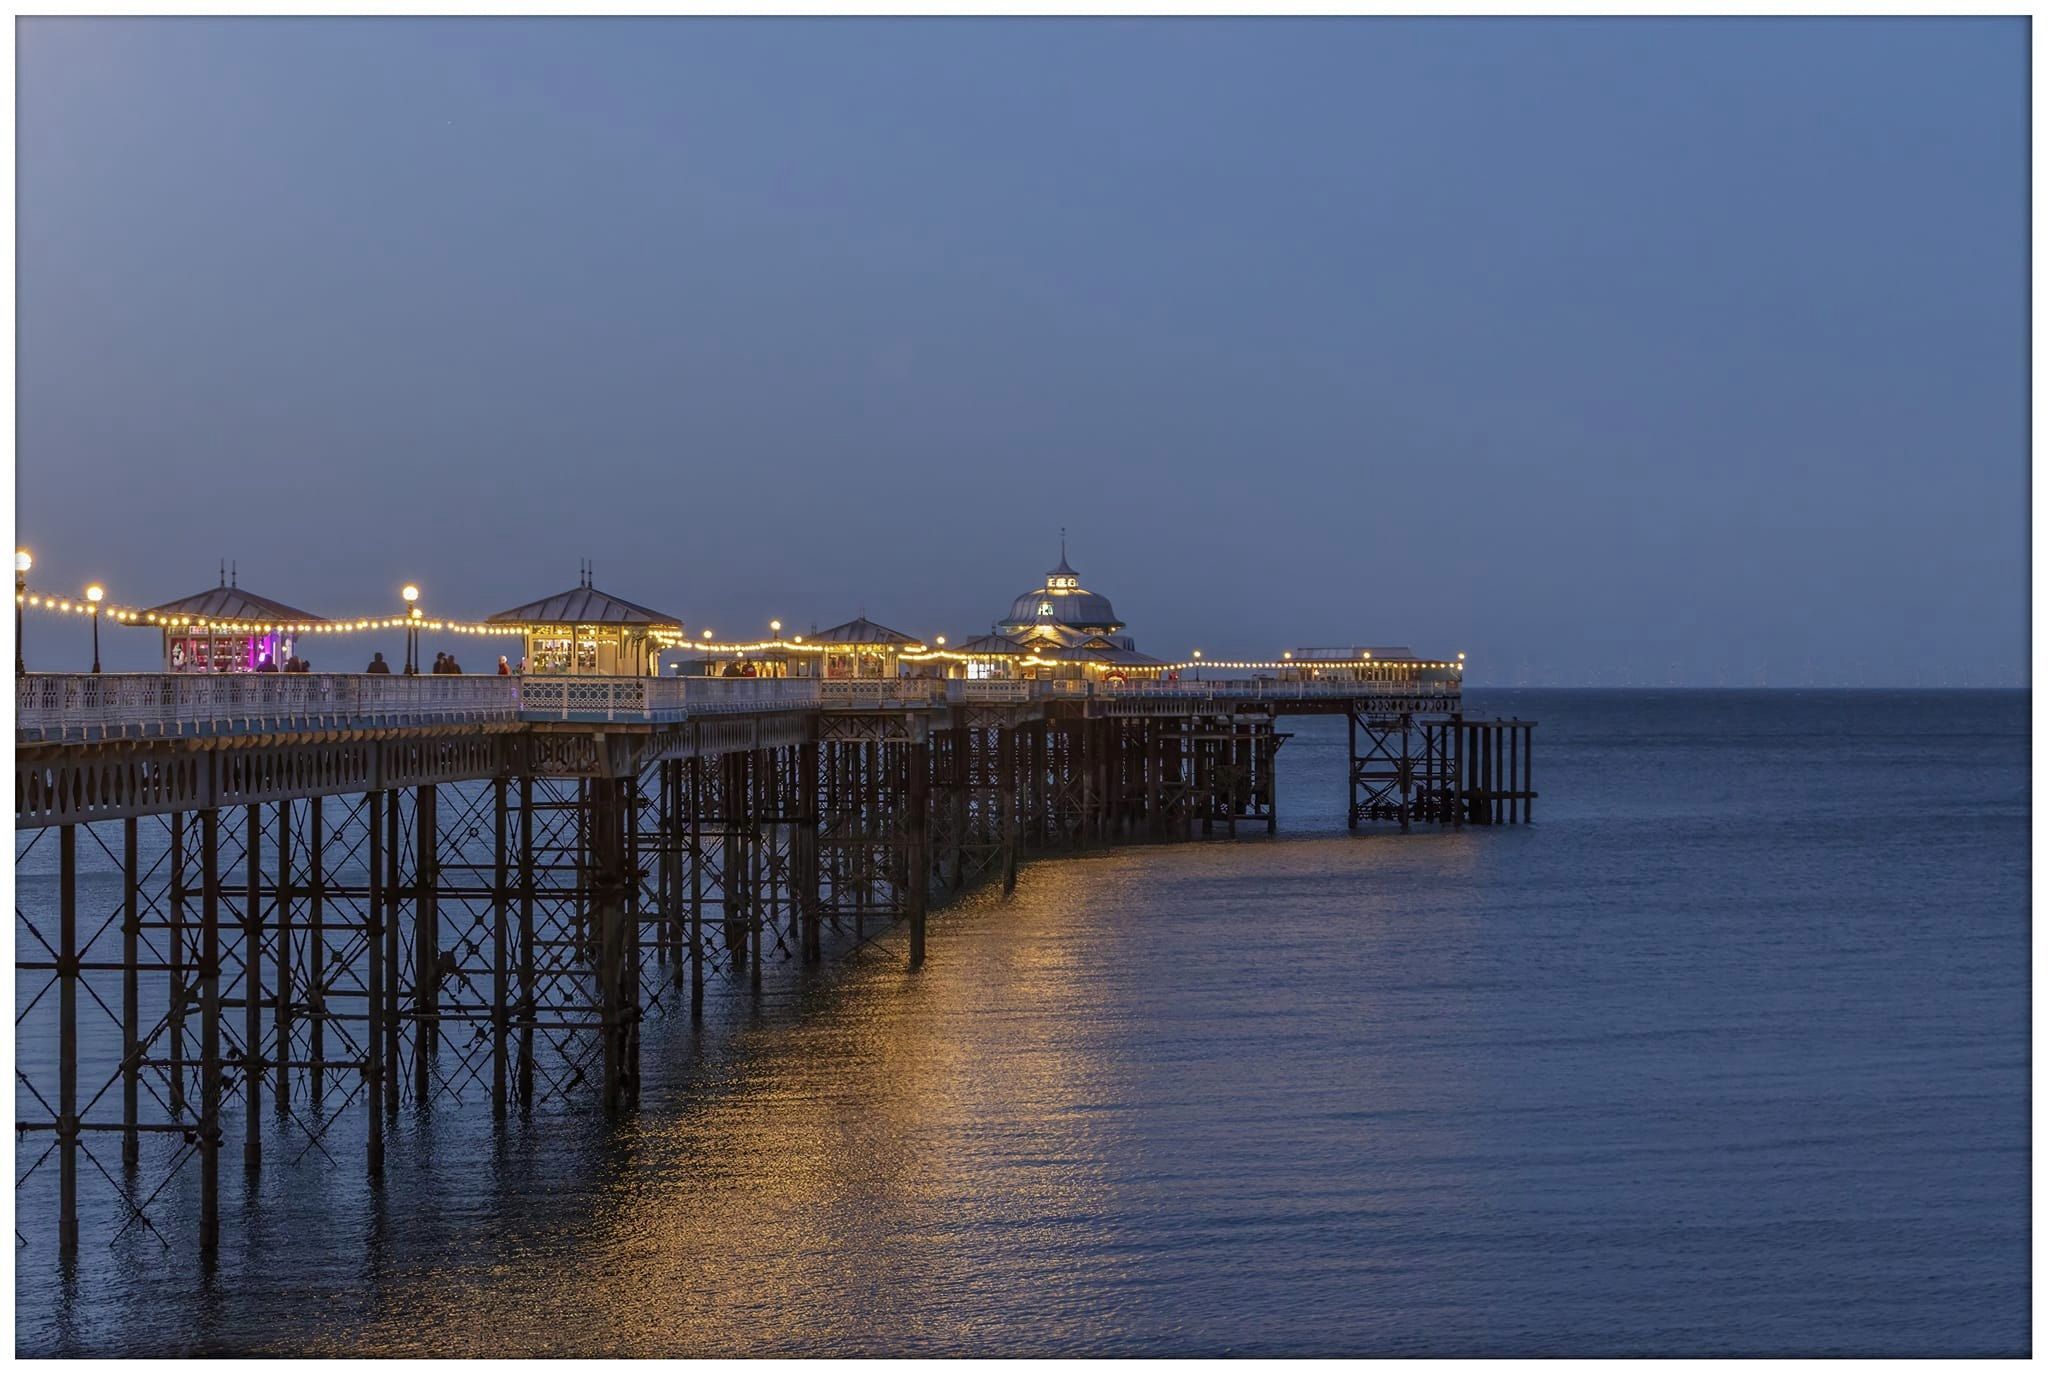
(1724,1054)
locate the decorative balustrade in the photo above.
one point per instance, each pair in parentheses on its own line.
(658,700)
(1282,688)
(991,689)
(85,707)
(879,692)
(544,698)
(704,695)
(127,706)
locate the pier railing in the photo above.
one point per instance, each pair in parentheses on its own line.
(52,707)
(1272,687)
(659,700)
(102,706)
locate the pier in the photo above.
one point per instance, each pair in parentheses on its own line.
(322,898)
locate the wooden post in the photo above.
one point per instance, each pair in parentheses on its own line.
(1494,771)
(1007,788)
(1351,717)
(1498,769)
(861,774)
(754,792)
(426,940)
(316,975)
(668,945)
(1455,743)
(917,831)
(962,744)
(1272,779)
(176,1015)
(607,865)
(67,1040)
(629,792)
(1514,753)
(131,939)
(252,986)
(1407,769)
(1229,729)
(696,783)
(732,856)
(500,935)
(1205,773)
(394,888)
(209,1030)
(283,1003)
(1528,774)
(1101,755)
(374,1066)
(527,997)
(806,864)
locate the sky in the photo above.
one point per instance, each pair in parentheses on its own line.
(1607,352)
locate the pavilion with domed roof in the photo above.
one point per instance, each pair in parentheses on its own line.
(1062,630)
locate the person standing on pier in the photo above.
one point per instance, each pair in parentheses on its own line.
(377,664)
(504,667)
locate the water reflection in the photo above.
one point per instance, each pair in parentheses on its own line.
(1613,1084)
(821,1178)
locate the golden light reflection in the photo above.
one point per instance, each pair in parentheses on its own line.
(831,1165)
(947,1160)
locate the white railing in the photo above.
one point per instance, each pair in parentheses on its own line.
(85,706)
(989,690)
(864,692)
(1277,688)
(97,706)
(545,698)
(710,695)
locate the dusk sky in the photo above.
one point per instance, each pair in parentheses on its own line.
(1603,351)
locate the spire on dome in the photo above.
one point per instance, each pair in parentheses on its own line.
(1063,571)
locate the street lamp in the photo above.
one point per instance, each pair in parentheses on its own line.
(94,594)
(775,626)
(1198,665)
(22,563)
(411,594)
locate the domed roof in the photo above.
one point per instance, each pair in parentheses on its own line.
(1082,610)
(1061,600)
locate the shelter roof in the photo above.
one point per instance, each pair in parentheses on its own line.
(862,631)
(585,606)
(233,604)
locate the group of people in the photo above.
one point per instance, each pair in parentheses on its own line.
(443,663)
(292,665)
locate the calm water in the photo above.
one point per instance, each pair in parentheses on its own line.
(1727,1054)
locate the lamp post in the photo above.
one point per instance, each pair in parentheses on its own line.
(22,563)
(95,594)
(411,594)
(1198,665)
(776,627)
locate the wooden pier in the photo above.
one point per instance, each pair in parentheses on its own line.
(340,894)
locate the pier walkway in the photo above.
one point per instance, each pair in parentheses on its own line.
(56,708)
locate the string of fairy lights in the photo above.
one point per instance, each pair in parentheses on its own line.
(93,602)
